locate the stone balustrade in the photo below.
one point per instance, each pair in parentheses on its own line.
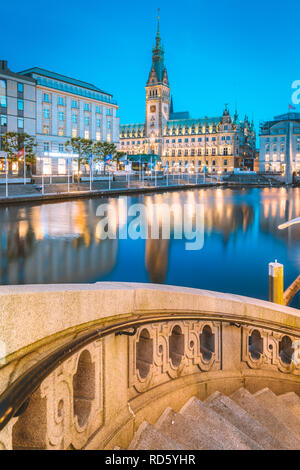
(94,361)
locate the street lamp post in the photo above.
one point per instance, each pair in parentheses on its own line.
(24,166)
(43,183)
(68,168)
(6,176)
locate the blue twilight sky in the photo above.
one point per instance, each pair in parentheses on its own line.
(233,51)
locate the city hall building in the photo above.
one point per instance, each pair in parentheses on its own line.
(219,143)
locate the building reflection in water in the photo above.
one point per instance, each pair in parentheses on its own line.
(56,243)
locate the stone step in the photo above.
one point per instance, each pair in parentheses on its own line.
(148,437)
(189,433)
(292,401)
(238,417)
(270,401)
(219,428)
(266,418)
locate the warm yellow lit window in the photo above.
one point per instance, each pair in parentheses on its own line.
(74,132)
(14,167)
(61,166)
(98,136)
(60,131)
(108,137)
(47,166)
(46,130)
(86,134)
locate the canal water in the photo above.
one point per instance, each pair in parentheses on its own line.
(238,237)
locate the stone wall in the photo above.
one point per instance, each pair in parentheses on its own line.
(188,342)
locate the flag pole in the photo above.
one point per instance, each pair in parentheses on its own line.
(6,176)
(68,164)
(24,166)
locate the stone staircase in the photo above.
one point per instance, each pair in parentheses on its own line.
(242,421)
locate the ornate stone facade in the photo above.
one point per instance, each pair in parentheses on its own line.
(163,351)
(219,144)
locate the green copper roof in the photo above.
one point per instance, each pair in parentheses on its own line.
(62,78)
(132,127)
(195,122)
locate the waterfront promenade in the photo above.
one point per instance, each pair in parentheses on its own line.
(61,191)
(52,189)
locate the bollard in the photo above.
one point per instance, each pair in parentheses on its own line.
(276,283)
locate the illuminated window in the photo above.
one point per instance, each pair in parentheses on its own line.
(60,131)
(108,137)
(14,167)
(47,166)
(3,120)
(2,87)
(98,136)
(74,132)
(61,166)
(86,134)
(3,101)
(45,130)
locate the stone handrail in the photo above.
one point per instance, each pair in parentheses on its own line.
(43,327)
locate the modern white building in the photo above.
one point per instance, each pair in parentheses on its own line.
(65,108)
(17,107)
(280,145)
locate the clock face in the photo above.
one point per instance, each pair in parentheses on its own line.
(152,109)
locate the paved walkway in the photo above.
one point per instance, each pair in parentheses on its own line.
(33,192)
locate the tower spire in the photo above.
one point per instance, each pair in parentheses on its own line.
(158,70)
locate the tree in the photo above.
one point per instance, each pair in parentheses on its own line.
(102,150)
(117,157)
(14,142)
(82,147)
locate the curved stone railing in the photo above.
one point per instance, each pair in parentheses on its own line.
(85,364)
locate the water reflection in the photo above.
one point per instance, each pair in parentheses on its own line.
(58,242)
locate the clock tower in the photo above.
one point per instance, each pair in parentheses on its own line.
(157,98)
